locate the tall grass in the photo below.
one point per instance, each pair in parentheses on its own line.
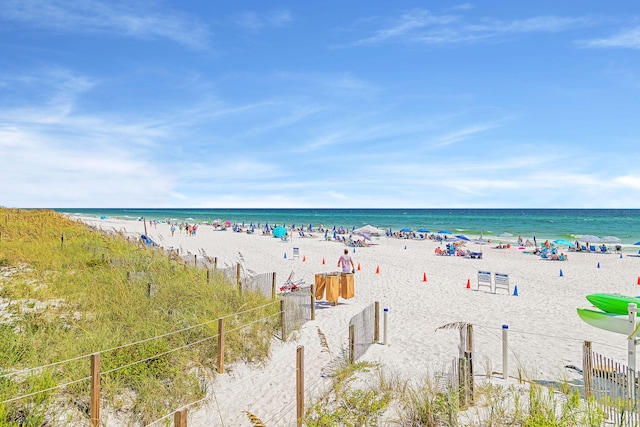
(69,295)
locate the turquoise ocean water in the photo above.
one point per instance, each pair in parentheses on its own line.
(550,224)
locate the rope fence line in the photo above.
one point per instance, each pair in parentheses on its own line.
(186,406)
(133,363)
(253,322)
(27,370)
(45,390)
(559,337)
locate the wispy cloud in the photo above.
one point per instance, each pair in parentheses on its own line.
(255,21)
(629,39)
(422,26)
(117,18)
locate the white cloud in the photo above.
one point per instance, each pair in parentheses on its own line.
(116,18)
(421,26)
(627,39)
(256,21)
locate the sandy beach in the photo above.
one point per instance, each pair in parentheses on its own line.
(545,333)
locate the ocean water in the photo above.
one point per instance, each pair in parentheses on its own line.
(544,224)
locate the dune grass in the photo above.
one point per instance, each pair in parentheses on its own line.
(65,292)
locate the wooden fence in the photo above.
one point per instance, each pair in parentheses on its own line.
(364,330)
(613,386)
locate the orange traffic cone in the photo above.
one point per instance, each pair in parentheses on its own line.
(424,278)
(322,261)
(304,258)
(468,283)
(358,266)
(378,270)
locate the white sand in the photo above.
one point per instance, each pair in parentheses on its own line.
(545,333)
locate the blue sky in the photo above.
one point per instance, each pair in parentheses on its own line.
(319,104)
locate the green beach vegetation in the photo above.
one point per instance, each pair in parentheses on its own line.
(68,291)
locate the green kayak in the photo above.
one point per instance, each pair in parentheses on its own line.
(613,303)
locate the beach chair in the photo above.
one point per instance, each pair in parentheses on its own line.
(296,253)
(592,248)
(501,281)
(583,248)
(484,280)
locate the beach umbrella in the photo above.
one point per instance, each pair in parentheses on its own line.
(405,230)
(505,234)
(422,230)
(610,239)
(589,238)
(563,242)
(279,232)
(462,237)
(444,232)
(637,243)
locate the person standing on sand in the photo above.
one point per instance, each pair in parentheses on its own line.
(346,263)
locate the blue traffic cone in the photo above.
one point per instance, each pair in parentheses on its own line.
(515,291)
(285,255)
(405,247)
(561,275)
(620,254)
(354,250)
(598,265)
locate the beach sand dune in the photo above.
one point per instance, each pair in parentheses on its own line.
(545,333)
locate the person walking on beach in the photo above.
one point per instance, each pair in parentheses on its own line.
(346,263)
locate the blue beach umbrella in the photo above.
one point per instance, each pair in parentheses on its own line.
(563,242)
(279,232)
(405,230)
(637,243)
(444,232)
(422,230)
(462,237)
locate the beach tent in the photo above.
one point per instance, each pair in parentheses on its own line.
(279,232)
(369,229)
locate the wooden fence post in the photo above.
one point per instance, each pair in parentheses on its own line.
(469,361)
(195,260)
(215,262)
(469,347)
(208,275)
(376,322)
(299,385)
(313,301)
(94,402)
(283,323)
(463,382)
(238,278)
(352,343)
(273,285)
(180,418)
(221,345)
(587,369)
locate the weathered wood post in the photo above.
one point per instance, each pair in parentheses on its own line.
(352,343)
(221,345)
(180,418)
(299,385)
(505,352)
(283,323)
(273,285)
(313,301)
(94,402)
(587,369)
(238,282)
(376,322)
